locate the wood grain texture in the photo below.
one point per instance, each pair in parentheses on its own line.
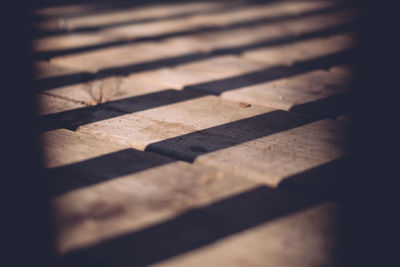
(300,89)
(188,112)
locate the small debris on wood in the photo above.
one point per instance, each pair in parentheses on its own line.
(244,105)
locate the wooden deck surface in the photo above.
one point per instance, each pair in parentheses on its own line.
(195,133)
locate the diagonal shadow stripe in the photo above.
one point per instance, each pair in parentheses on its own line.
(202,29)
(114,6)
(328,107)
(214,10)
(99,169)
(185,147)
(95,6)
(45,55)
(189,146)
(195,229)
(326,181)
(72,119)
(202,226)
(71,79)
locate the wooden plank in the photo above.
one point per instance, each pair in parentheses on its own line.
(102,90)
(62,147)
(272,158)
(282,242)
(48,104)
(261,11)
(173,114)
(248,229)
(73,40)
(131,32)
(141,188)
(228,17)
(259,143)
(88,92)
(300,51)
(305,88)
(209,70)
(45,69)
(127,55)
(141,13)
(90,13)
(261,34)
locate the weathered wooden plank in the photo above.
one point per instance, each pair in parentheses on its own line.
(259,35)
(45,69)
(306,238)
(65,10)
(128,207)
(128,55)
(48,104)
(291,53)
(73,40)
(73,118)
(135,201)
(62,147)
(261,11)
(220,19)
(252,228)
(272,158)
(102,90)
(286,93)
(130,32)
(207,70)
(91,93)
(173,114)
(141,188)
(259,143)
(139,13)
(93,11)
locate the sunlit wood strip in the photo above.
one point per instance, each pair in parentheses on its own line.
(132,32)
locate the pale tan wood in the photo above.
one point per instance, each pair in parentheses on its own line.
(139,13)
(261,11)
(208,70)
(132,202)
(88,92)
(272,158)
(139,129)
(230,201)
(64,9)
(45,69)
(302,239)
(259,143)
(62,147)
(300,51)
(269,33)
(73,40)
(286,93)
(251,228)
(156,9)
(126,55)
(102,90)
(220,19)
(133,54)
(126,201)
(68,41)
(48,104)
